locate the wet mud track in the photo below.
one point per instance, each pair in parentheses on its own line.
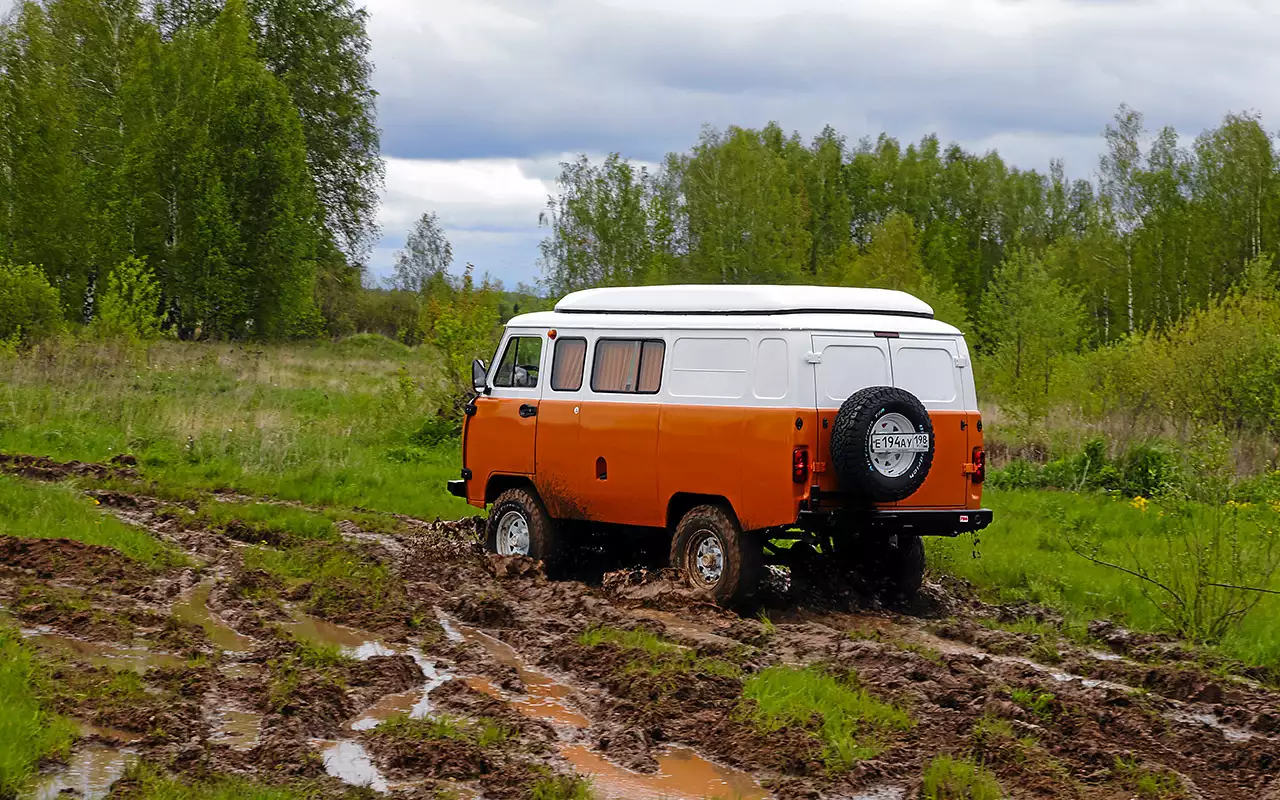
(477,674)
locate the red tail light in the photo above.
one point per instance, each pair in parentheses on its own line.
(979,465)
(800,464)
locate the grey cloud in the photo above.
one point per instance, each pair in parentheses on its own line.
(581,75)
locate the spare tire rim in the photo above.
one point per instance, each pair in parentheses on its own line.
(513,534)
(897,464)
(708,556)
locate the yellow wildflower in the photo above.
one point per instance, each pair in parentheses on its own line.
(1140,503)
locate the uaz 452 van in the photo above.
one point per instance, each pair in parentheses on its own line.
(734,420)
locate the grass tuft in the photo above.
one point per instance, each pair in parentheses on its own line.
(854,725)
(1147,783)
(483,732)
(948,778)
(655,655)
(28,731)
(562,787)
(47,511)
(1038,703)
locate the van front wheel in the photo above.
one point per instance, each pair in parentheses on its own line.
(520,526)
(713,553)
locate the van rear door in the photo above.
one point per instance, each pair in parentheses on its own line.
(843,365)
(932,369)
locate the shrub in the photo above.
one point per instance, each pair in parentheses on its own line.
(1149,470)
(129,306)
(30,309)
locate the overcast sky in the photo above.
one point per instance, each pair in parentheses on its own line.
(480,99)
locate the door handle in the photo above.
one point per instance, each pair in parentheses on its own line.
(527,410)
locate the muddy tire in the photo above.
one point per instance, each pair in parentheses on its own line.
(712,552)
(878,477)
(520,526)
(894,569)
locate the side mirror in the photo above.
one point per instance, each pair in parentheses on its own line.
(479,377)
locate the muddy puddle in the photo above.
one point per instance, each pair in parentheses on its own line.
(416,703)
(349,761)
(94,766)
(1230,732)
(682,773)
(546,698)
(193,607)
(239,730)
(99,654)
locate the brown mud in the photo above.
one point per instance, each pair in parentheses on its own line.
(216,668)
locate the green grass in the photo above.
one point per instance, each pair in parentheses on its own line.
(1148,784)
(266,521)
(854,724)
(328,425)
(948,778)
(562,787)
(45,511)
(656,656)
(146,783)
(29,732)
(341,580)
(483,732)
(1025,557)
(1038,703)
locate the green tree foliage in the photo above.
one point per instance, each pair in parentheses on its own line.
(176,134)
(129,305)
(319,50)
(1031,324)
(29,307)
(426,256)
(460,321)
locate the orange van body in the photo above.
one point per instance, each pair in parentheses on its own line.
(715,407)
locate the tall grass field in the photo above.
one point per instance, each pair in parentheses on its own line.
(351,425)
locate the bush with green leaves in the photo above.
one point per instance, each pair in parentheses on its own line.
(30,308)
(129,305)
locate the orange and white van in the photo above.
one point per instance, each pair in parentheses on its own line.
(731,418)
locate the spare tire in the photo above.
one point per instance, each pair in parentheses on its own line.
(882,444)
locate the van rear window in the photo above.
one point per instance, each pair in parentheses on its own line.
(567,368)
(628,366)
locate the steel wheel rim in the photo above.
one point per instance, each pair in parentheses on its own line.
(707,563)
(513,534)
(891,465)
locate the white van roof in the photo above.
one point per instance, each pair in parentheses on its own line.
(749,300)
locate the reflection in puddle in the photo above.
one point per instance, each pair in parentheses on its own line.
(881,793)
(546,697)
(356,643)
(92,769)
(349,762)
(416,703)
(1232,733)
(193,607)
(105,655)
(237,729)
(681,773)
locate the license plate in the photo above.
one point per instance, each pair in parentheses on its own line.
(900,442)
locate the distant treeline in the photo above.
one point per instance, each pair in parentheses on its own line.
(231,146)
(1161,230)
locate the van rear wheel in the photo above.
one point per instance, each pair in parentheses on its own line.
(520,526)
(894,568)
(712,552)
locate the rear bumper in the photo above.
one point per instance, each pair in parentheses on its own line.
(458,489)
(916,521)
(929,522)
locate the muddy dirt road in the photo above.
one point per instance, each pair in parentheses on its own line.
(213,668)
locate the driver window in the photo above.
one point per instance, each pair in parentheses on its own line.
(518,368)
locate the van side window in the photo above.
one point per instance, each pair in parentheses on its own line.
(628,366)
(518,368)
(566,368)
